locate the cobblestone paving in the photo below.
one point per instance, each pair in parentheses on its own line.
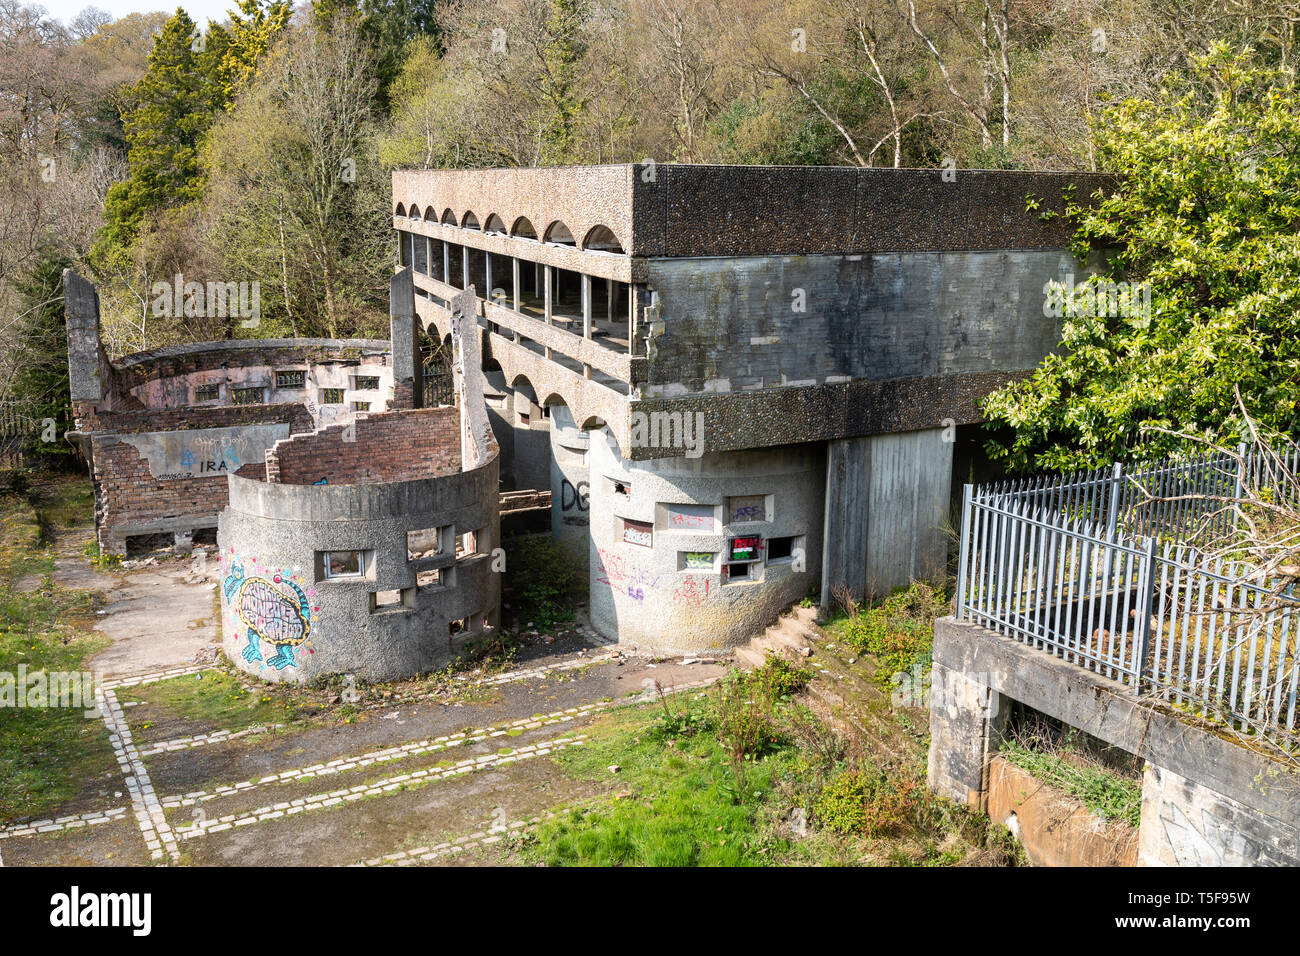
(437,785)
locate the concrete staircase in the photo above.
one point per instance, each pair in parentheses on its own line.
(790,637)
(843,691)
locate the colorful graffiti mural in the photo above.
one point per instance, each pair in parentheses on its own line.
(274,608)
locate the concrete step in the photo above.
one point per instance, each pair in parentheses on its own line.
(748,657)
(768,643)
(793,645)
(805,615)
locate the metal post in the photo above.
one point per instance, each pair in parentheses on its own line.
(964,555)
(1146,598)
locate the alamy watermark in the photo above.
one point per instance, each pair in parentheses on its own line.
(1096,298)
(42,689)
(668,430)
(212,300)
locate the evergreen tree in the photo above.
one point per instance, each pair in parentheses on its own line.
(41,384)
(174,105)
(253,31)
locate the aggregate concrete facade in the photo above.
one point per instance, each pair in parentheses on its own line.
(1206,800)
(860,314)
(388,565)
(661,533)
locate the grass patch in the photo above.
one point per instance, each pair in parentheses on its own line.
(897,631)
(220,699)
(744,775)
(1063,764)
(47,754)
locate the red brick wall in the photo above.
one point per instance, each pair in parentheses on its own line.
(126,493)
(386,446)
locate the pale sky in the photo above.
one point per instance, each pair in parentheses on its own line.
(200,11)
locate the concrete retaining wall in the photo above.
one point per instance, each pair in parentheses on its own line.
(1205,798)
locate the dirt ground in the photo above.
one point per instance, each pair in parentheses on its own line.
(439,777)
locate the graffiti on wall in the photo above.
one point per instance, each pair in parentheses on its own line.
(623,576)
(273,607)
(573,502)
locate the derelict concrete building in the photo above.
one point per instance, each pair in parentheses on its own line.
(743,384)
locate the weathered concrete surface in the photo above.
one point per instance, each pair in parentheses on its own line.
(967,719)
(205,452)
(1225,790)
(1186,824)
(666,587)
(160,617)
(887,500)
(1054,828)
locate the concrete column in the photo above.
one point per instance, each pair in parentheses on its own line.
(586,317)
(887,502)
(428,254)
(967,721)
(514,276)
(86,360)
(464,266)
(404,330)
(609,300)
(546,301)
(446,263)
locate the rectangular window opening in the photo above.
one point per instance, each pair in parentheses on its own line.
(291,378)
(341,564)
(252,395)
(207,393)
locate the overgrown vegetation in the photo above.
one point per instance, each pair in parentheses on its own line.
(1063,760)
(47,754)
(897,631)
(743,774)
(542,582)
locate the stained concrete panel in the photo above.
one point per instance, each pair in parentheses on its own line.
(205,452)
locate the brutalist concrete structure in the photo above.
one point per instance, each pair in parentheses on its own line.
(1206,799)
(770,363)
(387,565)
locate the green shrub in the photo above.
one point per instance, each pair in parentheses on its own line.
(899,631)
(542,581)
(782,678)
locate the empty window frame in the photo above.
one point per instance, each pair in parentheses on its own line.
(432,578)
(291,378)
(207,393)
(786,550)
(367,383)
(427,542)
(620,487)
(331,396)
(470,544)
(392,600)
(249,395)
(332,565)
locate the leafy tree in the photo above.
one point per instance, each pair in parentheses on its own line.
(253,31)
(1206,212)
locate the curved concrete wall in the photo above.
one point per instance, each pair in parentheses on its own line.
(275,534)
(649,594)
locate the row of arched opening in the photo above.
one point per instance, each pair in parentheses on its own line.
(599,238)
